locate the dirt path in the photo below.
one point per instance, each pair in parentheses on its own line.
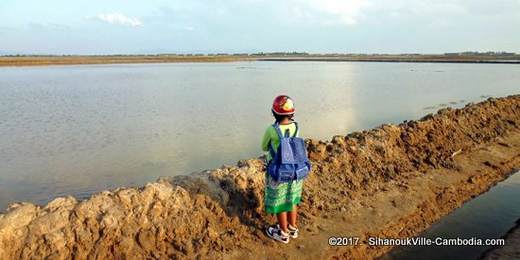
(403,209)
(392,181)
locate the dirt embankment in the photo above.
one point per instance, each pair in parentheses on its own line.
(174,58)
(392,181)
(10,61)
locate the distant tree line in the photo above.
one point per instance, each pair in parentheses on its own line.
(260,54)
(473,53)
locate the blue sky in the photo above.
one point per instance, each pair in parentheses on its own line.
(207,26)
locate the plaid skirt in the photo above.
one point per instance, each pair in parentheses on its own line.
(281,196)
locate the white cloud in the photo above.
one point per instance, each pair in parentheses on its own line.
(119,19)
(327,12)
(352,12)
(340,11)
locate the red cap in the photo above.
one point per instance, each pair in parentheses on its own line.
(283,105)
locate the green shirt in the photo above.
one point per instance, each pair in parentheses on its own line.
(270,137)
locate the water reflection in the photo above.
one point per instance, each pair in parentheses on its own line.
(490,215)
(79,129)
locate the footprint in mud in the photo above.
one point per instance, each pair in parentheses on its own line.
(314,228)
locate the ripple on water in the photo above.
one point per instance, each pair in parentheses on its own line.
(91,125)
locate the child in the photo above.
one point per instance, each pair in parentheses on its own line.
(281,198)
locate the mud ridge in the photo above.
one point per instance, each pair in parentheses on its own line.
(393,181)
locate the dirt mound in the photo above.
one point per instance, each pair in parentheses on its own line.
(219,212)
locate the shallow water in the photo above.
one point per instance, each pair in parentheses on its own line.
(490,215)
(75,130)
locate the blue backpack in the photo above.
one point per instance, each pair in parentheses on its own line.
(290,161)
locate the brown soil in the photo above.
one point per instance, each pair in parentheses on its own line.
(111,59)
(172,58)
(392,181)
(511,249)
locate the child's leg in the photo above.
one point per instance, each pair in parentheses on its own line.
(292,216)
(282,221)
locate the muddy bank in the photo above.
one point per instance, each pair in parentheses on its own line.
(45,60)
(14,61)
(511,249)
(392,181)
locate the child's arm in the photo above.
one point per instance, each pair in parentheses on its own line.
(266,140)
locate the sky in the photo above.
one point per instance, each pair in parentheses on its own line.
(233,26)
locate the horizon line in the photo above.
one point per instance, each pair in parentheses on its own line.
(260,53)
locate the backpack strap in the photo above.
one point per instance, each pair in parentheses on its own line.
(279,133)
(276,127)
(287,133)
(295,132)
